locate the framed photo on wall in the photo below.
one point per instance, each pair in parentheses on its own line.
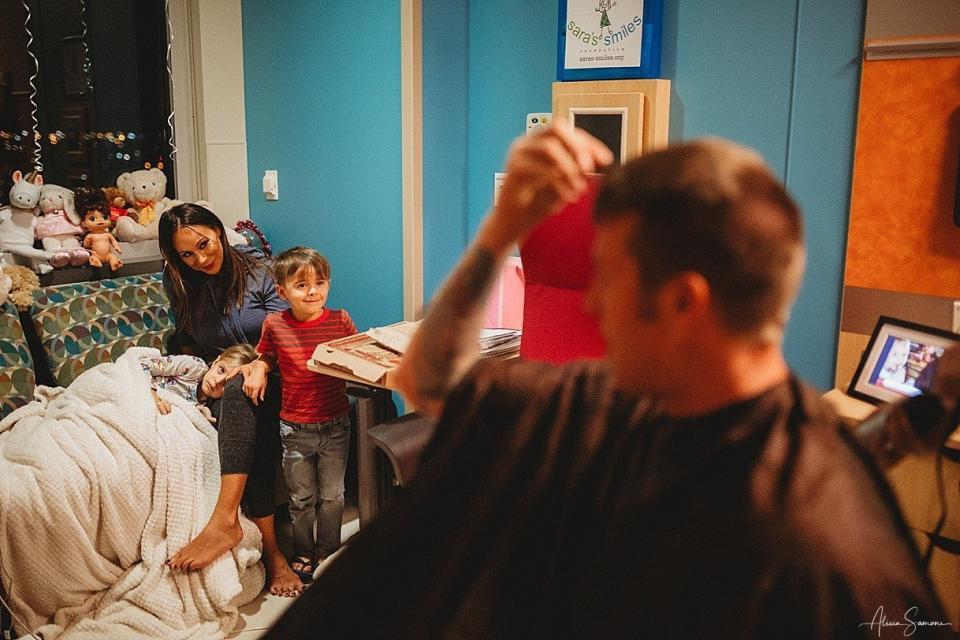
(899,361)
(609,39)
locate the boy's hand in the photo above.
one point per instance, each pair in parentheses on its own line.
(162,405)
(254,379)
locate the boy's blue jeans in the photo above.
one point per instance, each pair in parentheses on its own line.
(314,462)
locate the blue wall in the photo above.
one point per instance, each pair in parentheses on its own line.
(323,107)
(445,123)
(513,60)
(780,77)
(819,171)
(322,89)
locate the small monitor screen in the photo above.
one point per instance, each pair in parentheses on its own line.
(606,127)
(900,360)
(905,366)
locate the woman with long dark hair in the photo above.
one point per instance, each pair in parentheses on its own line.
(220,295)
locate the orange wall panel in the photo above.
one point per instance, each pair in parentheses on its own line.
(901,235)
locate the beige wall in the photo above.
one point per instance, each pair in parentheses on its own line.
(899,18)
(224,126)
(209,115)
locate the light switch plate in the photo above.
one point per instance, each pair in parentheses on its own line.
(271,186)
(498,179)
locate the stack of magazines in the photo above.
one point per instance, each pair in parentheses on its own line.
(499,343)
(369,356)
(494,343)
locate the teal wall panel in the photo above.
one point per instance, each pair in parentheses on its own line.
(780,77)
(322,91)
(819,171)
(512,62)
(731,67)
(445,121)
(323,107)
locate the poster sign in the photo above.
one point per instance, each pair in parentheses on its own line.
(600,39)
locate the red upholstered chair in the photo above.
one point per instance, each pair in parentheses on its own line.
(556,272)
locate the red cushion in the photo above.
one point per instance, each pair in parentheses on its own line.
(557,271)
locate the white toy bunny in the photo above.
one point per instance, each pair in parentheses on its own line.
(59,227)
(18,223)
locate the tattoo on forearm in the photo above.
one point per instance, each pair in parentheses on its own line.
(453,322)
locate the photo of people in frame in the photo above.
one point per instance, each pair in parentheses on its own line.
(905,366)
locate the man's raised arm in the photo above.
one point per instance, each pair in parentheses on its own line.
(544,171)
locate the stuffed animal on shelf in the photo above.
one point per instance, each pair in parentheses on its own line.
(18,223)
(96,221)
(118,204)
(23,282)
(6,283)
(144,191)
(59,227)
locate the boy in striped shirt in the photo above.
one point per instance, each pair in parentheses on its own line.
(314,420)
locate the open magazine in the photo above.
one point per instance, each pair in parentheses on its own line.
(369,356)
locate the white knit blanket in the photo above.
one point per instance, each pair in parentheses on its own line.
(96,491)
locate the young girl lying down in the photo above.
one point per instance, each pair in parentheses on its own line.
(190,378)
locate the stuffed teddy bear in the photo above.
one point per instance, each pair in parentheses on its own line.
(59,227)
(144,191)
(23,282)
(96,221)
(18,223)
(118,204)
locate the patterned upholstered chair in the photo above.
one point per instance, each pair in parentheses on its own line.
(17,379)
(81,325)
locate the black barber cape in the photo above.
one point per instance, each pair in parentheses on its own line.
(549,505)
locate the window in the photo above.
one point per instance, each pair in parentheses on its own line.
(102,90)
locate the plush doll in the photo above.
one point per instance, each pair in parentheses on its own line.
(23,282)
(96,221)
(6,283)
(118,204)
(18,222)
(144,191)
(59,227)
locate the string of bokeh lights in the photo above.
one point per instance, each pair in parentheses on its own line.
(117,141)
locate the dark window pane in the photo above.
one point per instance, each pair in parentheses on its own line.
(102,90)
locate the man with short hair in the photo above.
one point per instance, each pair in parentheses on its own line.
(688,486)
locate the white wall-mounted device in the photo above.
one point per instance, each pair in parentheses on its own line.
(271,187)
(498,179)
(537,121)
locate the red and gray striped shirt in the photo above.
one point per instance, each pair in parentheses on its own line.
(307,396)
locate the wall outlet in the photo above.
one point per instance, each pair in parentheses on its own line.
(271,186)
